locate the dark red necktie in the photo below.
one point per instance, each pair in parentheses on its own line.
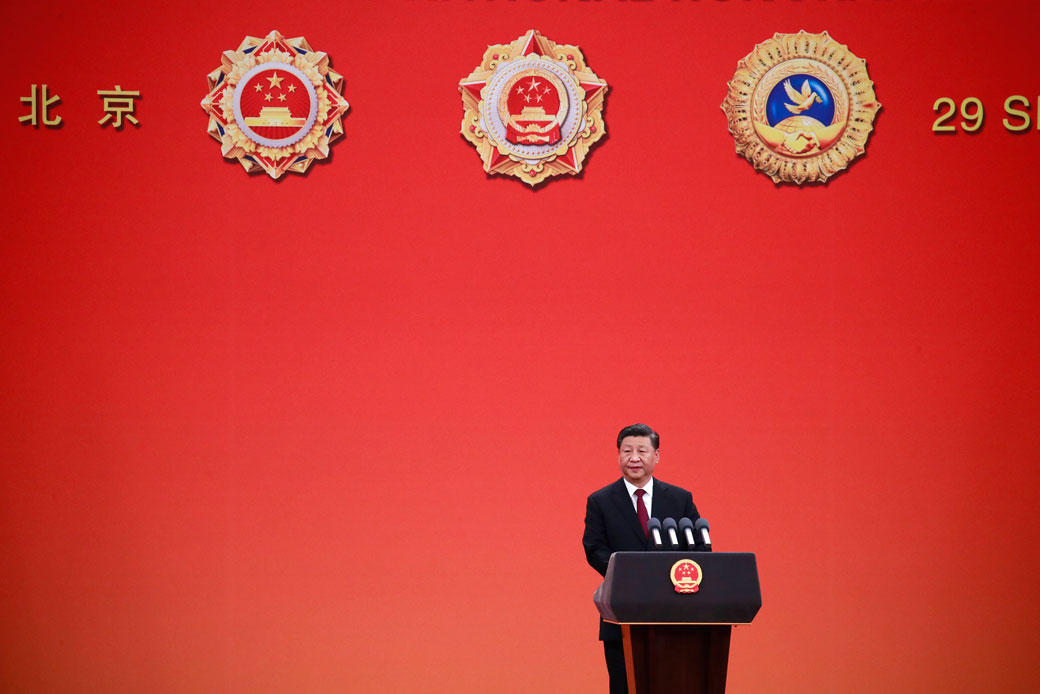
(644,517)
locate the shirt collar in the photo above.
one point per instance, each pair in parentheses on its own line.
(649,488)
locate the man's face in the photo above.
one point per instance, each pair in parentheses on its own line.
(637,459)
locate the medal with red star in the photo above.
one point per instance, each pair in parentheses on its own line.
(275,105)
(533,109)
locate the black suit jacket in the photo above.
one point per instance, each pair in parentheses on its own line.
(611,525)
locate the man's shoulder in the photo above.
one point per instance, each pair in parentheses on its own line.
(662,487)
(609,489)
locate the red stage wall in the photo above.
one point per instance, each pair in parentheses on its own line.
(335,433)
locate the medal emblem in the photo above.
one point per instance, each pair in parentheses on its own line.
(533,109)
(275,105)
(801,107)
(686,576)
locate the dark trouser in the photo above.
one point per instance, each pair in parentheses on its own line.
(614,651)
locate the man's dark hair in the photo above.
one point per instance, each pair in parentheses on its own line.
(639,430)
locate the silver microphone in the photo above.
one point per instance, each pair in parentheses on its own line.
(701,526)
(654,526)
(669,526)
(686,528)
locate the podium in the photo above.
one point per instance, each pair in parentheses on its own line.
(678,642)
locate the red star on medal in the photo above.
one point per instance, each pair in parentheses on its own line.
(533,109)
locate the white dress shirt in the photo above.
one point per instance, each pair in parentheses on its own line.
(648,498)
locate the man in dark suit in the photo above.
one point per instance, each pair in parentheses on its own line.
(616,521)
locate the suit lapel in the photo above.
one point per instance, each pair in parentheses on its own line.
(661,507)
(619,495)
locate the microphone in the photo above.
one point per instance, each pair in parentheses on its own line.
(669,527)
(701,526)
(654,526)
(686,528)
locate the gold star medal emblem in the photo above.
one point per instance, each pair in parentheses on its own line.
(533,109)
(275,105)
(801,107)
(686,576)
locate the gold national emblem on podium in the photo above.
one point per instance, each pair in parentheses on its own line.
(800,107)
(533,109)
(275,105)
(686,576)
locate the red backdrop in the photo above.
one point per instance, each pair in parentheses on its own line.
(335,433)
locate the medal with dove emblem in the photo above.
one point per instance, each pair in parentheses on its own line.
(800,107)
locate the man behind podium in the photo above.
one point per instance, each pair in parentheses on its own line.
(616,521)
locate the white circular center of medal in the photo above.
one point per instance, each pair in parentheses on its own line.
(492,123)
(312,111)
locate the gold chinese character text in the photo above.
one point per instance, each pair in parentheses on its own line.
(118,104)
(39,108)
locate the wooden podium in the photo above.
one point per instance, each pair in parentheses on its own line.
(678,642)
